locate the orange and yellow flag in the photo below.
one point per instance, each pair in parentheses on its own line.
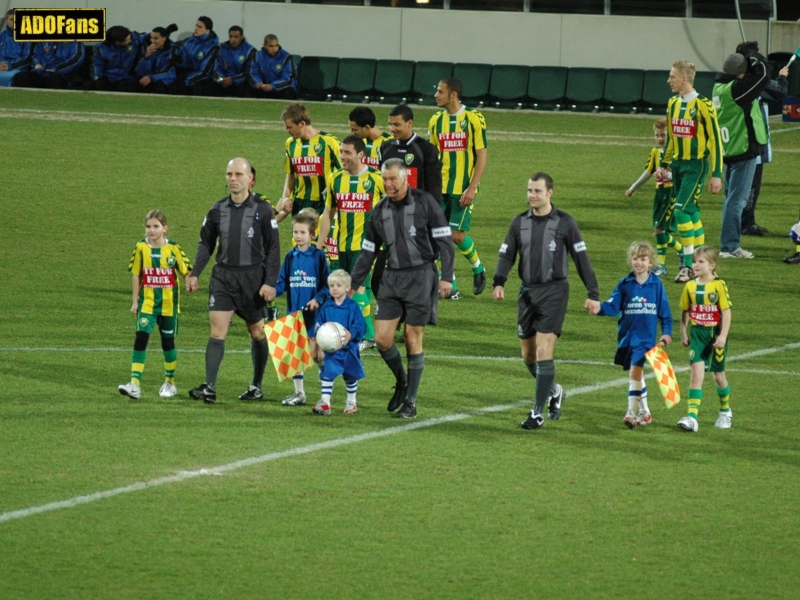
(288,345)
(665,375)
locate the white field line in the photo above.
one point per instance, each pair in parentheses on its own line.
(367,355)
(300,450)
(566,361)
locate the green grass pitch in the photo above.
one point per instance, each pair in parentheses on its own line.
(175,499)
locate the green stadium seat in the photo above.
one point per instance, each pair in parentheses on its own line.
(475,78)
(427,74)
(509,85)
(656,91)
(393,81)
(623,89)
(297,59)
(704,83)
(317,77)
(356,78)
(585,87)
(547,87)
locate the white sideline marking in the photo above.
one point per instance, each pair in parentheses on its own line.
(596,363)
(565,361)
(300,450)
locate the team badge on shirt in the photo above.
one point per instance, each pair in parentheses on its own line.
(200,55)
(367,185)
(250,233)
(713,297)
(241,58)
(409,159)
(171,262)
(317,147)
(463,124)
(278,68)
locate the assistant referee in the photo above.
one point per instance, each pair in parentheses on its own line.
(244,278)
(543,237)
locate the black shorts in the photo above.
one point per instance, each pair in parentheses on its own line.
(409,294)
(542,308)
(237,290)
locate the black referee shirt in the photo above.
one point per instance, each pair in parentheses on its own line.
(543,244)
(414,231)
(247,234)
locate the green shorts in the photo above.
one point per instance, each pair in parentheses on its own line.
(299,204)
(688,179)
(701,348)
(167,325)
(459,217)
(348,260)
(663,210)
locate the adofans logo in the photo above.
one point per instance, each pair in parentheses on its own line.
(60,25)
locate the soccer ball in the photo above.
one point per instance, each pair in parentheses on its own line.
(330,336)
(794,234)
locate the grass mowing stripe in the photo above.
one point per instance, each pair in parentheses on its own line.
(300,450)
(167,121)
(277,124)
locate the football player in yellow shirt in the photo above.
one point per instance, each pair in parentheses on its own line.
(459,133)
(694,147)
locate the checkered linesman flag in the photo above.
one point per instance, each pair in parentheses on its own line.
(288,345)
(665,375)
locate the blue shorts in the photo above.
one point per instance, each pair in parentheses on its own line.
(628,356)
(345,362)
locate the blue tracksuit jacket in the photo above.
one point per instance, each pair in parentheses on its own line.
(199,57)
(279,71)
(641,307)
(234,62)
(117,64)
(62,57)
(161,64)
(16,54)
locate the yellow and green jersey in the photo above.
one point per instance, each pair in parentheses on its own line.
(157,270)
(693,133)
(705,303)
(372,157)
(353,197)
(653,164)
(312,162)
(458,138)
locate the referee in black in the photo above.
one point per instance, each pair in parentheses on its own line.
(543,236)
(412,226)
(244,277)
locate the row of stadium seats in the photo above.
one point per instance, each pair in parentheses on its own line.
(503,86)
